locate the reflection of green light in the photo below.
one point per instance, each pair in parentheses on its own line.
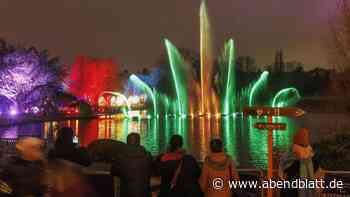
(258,143)
(126,124)
(282,139)
(258,85)
(153,140)
(123,98)
(176,62)
(286,97)
(229,97)
(143,86)
(229,135)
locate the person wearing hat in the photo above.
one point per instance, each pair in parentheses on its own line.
(218,165)
(24,174)
(298,163)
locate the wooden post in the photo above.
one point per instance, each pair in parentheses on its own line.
(270,126)
(270,160)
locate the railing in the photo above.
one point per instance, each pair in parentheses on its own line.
(7,146)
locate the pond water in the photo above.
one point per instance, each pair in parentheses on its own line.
(242,141)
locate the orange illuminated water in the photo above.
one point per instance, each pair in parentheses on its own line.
(245,144)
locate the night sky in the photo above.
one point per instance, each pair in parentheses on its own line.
(131,31)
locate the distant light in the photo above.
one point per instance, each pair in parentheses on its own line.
(35,110)
(134,99)
(135,113)
(13,112)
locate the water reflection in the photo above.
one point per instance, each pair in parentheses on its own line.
(242,141)
(229,135)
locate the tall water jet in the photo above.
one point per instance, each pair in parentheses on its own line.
(206,60)
(227,72)
(177,64)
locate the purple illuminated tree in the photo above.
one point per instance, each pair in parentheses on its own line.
(28,77)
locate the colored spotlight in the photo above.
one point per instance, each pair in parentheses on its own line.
(13,112)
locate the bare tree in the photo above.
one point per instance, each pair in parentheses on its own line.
(340,51)
(340,37)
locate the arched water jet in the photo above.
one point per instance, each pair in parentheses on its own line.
(286,97)
(143,86)
(176,62)
(126,114)
(258,85)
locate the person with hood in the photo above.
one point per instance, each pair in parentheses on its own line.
(134,168)
(24,175)
(217,165)
(179,172)
(66,149)
(299,163)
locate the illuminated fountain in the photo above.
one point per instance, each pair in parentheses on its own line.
(195,98)
(198,97)
(197,105)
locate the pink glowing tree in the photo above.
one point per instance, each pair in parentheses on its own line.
(28,77)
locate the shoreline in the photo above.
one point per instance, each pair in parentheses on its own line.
(30,120)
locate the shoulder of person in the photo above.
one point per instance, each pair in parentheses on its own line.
(13,161)
(158,157)
(189,159)
(80,148)
(188,156)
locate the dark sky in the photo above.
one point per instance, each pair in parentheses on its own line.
(131,31)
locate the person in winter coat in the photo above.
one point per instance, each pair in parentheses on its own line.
(134,169)
(217,165)
(299,163)
(24,175)
(67,150)
(179,172)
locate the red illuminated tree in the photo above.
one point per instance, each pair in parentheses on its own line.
(89,77)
